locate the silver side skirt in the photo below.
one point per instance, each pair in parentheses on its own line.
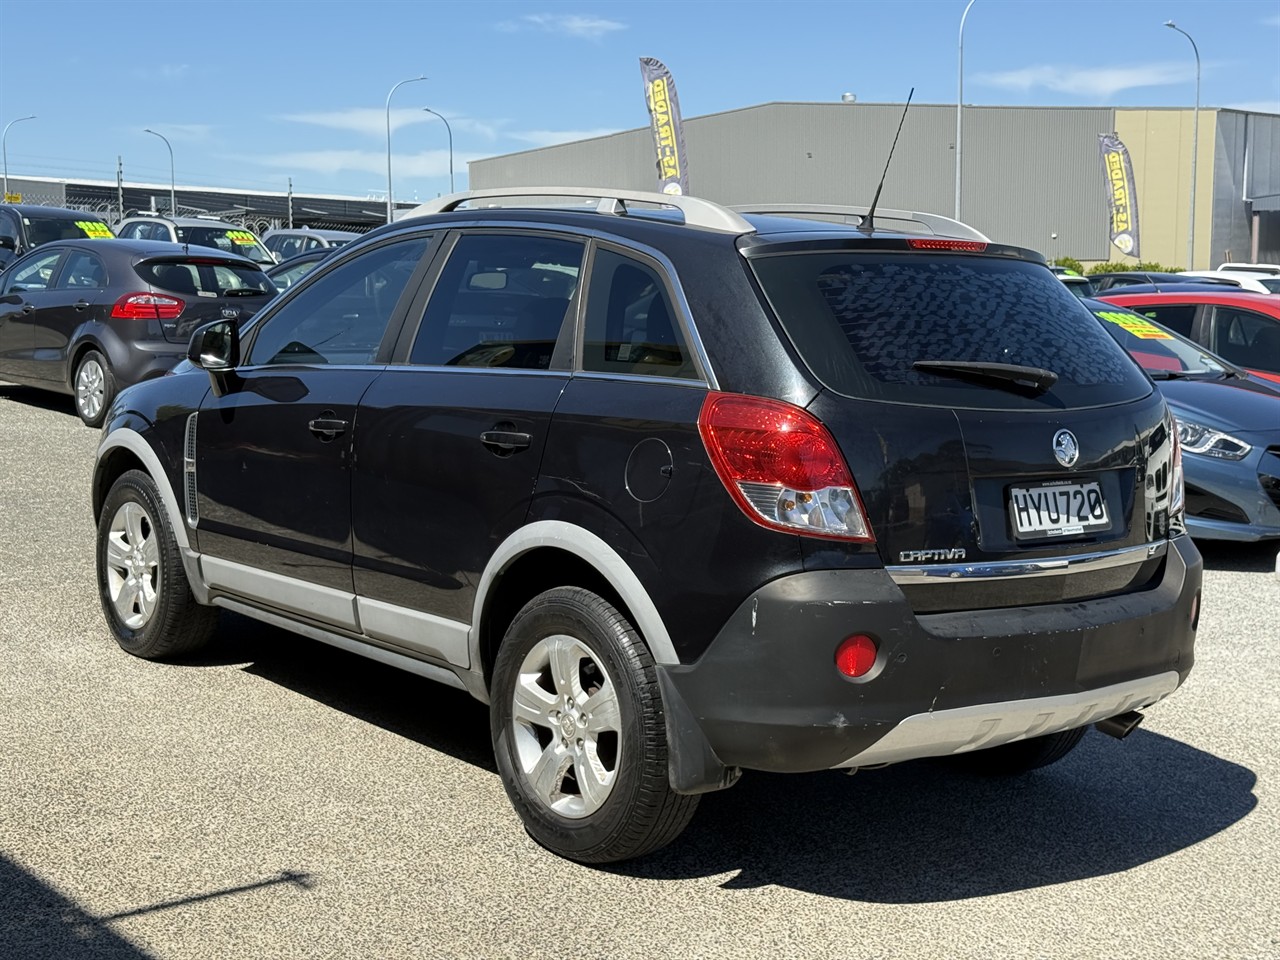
(945,732)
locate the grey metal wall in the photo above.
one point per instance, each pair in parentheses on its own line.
(1246,167)
(1028,173)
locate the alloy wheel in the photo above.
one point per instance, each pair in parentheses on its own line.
(133,565)
(90,389)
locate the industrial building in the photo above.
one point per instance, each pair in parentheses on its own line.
(1031,175)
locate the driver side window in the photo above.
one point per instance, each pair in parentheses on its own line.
(342,317)
(36,274)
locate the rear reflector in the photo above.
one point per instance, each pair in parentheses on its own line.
(856,656)
(968,246)
(147,306)
(782,467)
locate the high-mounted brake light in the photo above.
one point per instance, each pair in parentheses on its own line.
(782,467)
(968,246)
(147,306)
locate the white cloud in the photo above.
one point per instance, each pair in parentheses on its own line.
(1096,82)
(547,138)
(372,121)
(1271,21)
(161,71)
(571,25)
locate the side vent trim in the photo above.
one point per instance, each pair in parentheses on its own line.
(189,471)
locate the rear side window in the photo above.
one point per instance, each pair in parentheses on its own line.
(83,270)
(1247,338)
(862,320)
(205,278)
(630,325)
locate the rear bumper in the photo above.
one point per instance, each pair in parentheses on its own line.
(766,694)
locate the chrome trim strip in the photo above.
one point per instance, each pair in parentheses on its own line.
(961,730)
(1027,569)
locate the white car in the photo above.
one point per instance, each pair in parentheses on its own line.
(1254,281)
(1270,269)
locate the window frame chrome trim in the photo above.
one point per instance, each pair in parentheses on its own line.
(942,573)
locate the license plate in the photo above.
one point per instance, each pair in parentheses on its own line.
(1057,509)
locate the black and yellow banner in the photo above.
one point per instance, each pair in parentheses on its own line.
(1117,171)
(664,117)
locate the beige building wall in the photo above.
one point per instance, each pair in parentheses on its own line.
(1159,143)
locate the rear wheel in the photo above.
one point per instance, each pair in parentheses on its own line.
(579,733)
(95,388)
(1022,756)
(141,582)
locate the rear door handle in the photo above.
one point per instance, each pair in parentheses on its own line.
(505,441)
(326,429)
(81,304)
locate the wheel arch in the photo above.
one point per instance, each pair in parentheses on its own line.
(552,553)
(125,449)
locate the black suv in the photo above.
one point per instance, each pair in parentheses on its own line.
(678,491)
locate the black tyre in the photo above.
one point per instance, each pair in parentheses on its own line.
(95,388)
(141,582)
(1022,756)
(579,734)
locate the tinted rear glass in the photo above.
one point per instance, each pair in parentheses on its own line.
(205,278)
(860,320)
(230,239)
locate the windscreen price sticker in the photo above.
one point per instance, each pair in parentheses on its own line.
(242,237)
(94,229)
(1140,327)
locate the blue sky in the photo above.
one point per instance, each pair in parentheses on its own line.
(252,93)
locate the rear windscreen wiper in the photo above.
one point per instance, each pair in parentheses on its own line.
(244,292)
(1013,374)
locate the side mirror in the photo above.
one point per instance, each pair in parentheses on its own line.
(8,243)
(215,347)
(12,300)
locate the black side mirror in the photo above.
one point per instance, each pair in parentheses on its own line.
(215,347)
(8,243)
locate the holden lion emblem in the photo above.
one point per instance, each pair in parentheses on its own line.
(1065,448)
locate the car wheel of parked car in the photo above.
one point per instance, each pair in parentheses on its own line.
(141,582)
(1022,756)
(579,734)
(95,388)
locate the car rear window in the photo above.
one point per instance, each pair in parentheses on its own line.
(861,320)
(230,239)
(206,278)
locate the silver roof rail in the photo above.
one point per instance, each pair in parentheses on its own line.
(697,211)
(936,224)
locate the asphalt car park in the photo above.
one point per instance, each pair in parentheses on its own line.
(277,797)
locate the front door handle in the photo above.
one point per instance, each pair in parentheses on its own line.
(327,428)
(28,307)
(505,441)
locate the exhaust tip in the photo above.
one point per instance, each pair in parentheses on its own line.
(1120,726)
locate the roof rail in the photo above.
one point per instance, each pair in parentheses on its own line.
(697,211)
(938,225)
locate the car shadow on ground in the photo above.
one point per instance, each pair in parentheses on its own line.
(912,833)
(38,399)
(1239,557)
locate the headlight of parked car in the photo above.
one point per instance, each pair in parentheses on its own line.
(1197,438)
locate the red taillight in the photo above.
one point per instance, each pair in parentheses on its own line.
(856,656)
(782,467)
(147,306)
(968,246)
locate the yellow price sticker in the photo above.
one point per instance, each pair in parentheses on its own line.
(1138,326)
(242,237)
(95,229)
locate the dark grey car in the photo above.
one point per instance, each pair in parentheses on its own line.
(88,317)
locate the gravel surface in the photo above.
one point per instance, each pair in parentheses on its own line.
(279,798)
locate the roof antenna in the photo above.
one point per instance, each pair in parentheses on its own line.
(868,222)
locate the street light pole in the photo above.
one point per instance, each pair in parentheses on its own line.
(173,192)
(389,93)
(960,103)
(4,148)
(1195,149)
(450,132)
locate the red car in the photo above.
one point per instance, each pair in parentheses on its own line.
(1242,327)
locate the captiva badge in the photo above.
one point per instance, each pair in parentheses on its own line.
(1065,448)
